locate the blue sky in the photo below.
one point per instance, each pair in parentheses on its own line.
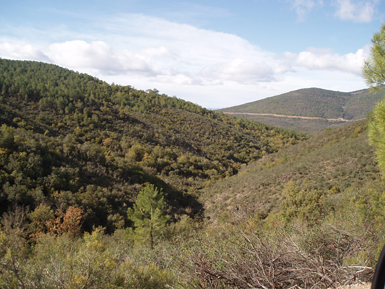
(213,53)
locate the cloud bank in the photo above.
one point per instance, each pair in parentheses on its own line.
(184,55)
(326,59)
(162,54)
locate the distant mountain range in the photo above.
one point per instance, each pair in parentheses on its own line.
(309,110)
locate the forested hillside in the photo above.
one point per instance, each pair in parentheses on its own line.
(69,139)
(309,110)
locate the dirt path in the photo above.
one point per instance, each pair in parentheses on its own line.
(289,116)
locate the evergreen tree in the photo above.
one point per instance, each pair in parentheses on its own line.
(374,68)
(377,133)
(149,214)
(374,73)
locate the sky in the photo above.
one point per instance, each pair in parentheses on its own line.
(214,53)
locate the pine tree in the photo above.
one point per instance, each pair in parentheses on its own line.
(374,68)
(374,73)
(149,215)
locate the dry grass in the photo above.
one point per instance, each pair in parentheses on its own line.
(357,286)
(261,262)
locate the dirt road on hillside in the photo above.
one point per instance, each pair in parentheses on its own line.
(289,116)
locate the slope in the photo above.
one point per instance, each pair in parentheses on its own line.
(339,157)
(69,139)
(309,110)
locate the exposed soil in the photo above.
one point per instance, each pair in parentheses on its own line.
(289,116)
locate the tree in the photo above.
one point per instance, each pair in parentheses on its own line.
(149,214)
(374,68)
(374,73)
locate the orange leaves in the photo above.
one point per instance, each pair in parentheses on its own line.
(45,221)
(71,221)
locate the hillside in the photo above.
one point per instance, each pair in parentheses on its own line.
(69,139)
(339,157)
(309,110)
(324,195)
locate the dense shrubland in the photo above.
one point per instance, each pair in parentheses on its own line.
(315,241)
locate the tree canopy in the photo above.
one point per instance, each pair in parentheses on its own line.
(70,139)
(374,67)
(149,214)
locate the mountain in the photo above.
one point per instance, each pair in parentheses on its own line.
(69,139)
(309,110)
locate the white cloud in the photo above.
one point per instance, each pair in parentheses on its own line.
(357,11)
(99,55)
(303,7)
(168,52)
(22,51)
(326,59)
(240,70)
(158,52)
(220,69)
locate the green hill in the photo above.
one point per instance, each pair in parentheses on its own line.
(340,157)
(69,139)
(309,110)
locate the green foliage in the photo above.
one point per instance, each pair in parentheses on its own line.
(374,74)
(327,160)
(374,68)
(13,248)
(92,261)
(7,137)
(146,277)
(77,141)
(307,205)
(377,133)
(149,215)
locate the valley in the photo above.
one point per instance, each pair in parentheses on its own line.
(107,186)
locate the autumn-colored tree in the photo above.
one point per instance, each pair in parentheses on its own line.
(68,222)
(44,220)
